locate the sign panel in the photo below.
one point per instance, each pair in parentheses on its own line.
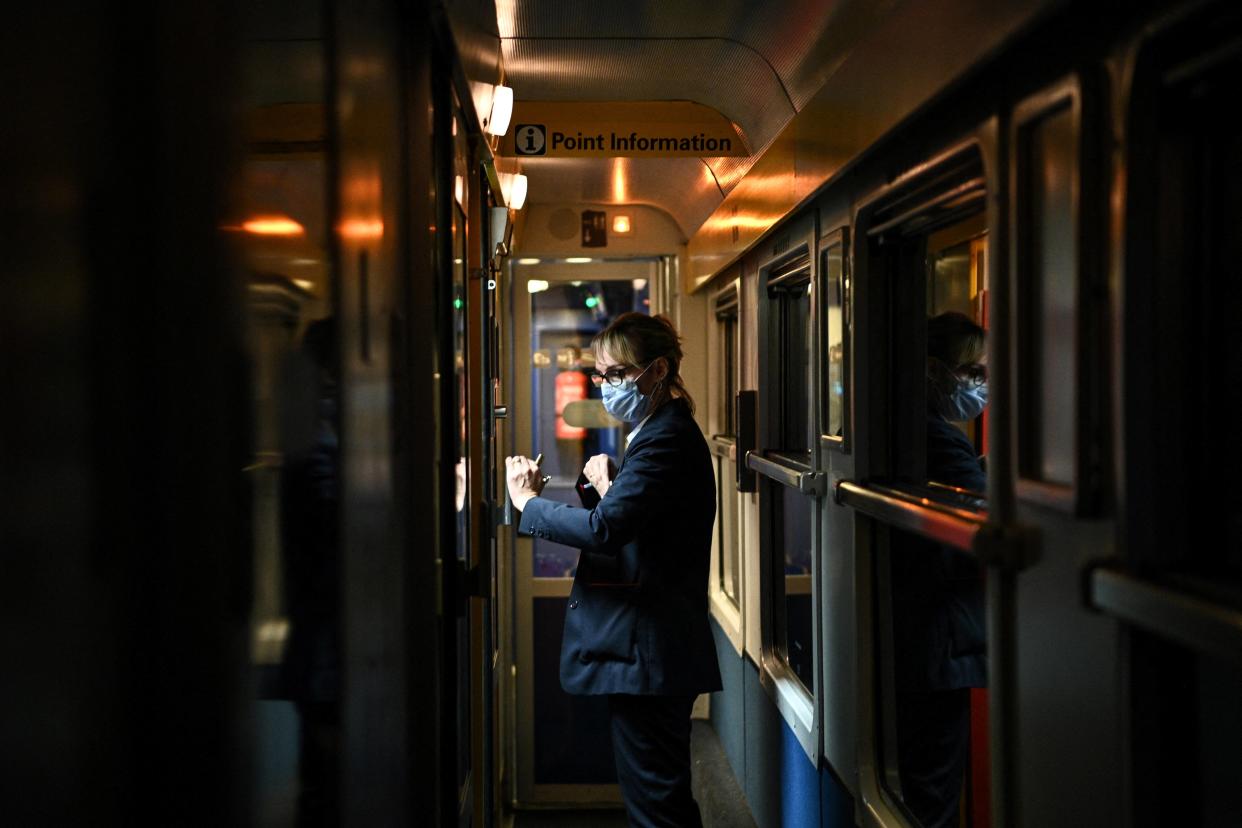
(632,129)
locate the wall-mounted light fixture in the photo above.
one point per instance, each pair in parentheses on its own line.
(621,224)
(513,188)
(502,231)
(502,111)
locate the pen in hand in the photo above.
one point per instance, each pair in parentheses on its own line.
(538,460)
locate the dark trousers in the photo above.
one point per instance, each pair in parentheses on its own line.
(651,746)
(933,750)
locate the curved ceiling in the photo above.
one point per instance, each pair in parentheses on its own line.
(756,63)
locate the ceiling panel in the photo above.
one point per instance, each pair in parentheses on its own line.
(756,63)
(750,93)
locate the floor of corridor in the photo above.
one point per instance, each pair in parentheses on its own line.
(720,797)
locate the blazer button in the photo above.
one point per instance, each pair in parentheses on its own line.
(573,604)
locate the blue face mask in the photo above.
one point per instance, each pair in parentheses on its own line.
(626,402)
(966,403)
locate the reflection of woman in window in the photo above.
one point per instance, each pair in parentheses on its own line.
(957,391)
(941,648)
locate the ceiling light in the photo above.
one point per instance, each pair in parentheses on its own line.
(578,260)
(528,261)
(304,284)
(273,226)
(502,111)
(536,285)
(621,224)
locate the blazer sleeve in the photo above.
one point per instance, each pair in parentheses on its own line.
(644,489)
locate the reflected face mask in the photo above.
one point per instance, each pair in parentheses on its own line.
(966,403)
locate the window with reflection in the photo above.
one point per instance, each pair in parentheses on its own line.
(282,231)
(787,512)
(833,279)
(565,316)
(461,437)
(932,648)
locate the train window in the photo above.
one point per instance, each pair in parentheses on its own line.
(787,508)
(788,363)
(1183,383)
(724,443)
(834,286)
(461,438)
(295,356)
(1183,312)
(1045,193)
(932,669)
(564,318)
(927,281)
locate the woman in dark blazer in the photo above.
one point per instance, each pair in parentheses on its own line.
(636,627)
(938,607)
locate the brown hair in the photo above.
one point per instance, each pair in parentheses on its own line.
(954,339)
(637,340)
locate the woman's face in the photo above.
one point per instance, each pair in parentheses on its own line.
(973,374)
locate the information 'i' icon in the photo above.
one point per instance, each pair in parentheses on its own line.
(530,139)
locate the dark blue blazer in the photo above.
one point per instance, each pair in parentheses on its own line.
(938,611)
(637,616)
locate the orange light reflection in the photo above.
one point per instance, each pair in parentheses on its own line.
(361,229)
(619,180)
(273,226)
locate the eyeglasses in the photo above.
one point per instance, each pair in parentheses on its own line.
(613,376)
(974,373)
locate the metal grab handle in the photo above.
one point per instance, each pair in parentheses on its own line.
(809,483)
(1170,610)
(507,516)
(956,530)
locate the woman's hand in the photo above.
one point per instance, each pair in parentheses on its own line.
(600,471)
(524,480)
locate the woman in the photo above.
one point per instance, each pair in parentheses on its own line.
(938,617)
(636,627)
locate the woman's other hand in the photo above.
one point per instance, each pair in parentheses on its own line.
(524,480)
(600,471)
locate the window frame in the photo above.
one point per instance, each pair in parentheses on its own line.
(799,705)
(726,377)
(1080,495)
(945,188)
(840,237)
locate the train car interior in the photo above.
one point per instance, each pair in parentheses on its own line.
(291,284)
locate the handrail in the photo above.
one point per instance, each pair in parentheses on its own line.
(1167,611)
(952,527)
(808,482)
(722,446)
